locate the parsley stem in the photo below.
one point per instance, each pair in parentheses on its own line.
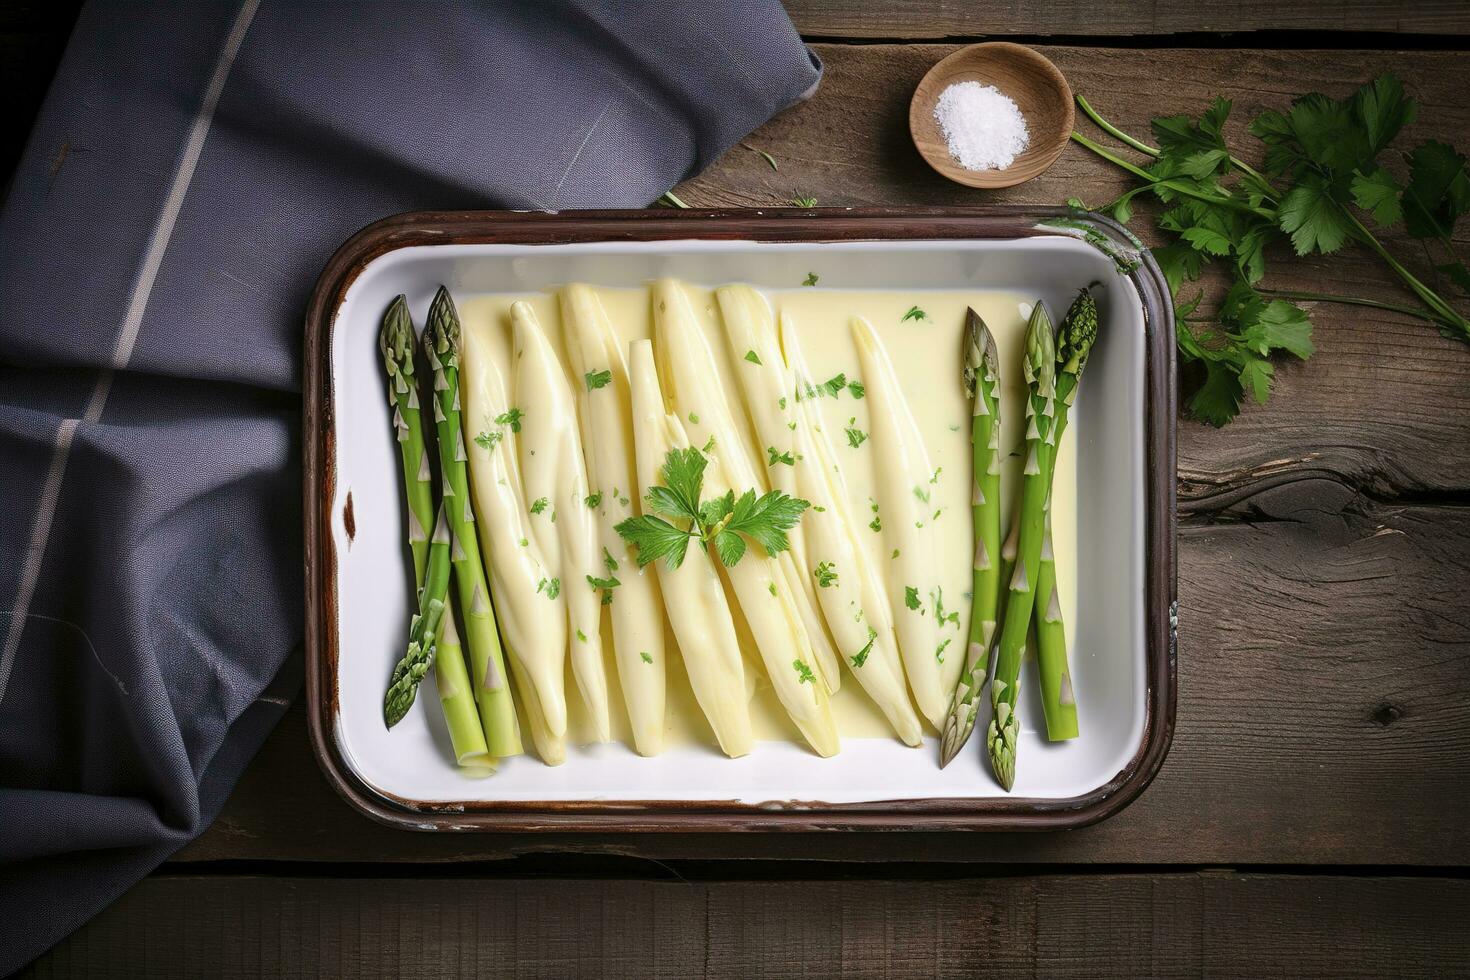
(1428,296)
(1413,311)
(1262,183)
(1184,189)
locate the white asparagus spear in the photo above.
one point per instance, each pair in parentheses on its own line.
(693,594)
(692,383)
(848,585)
(604,411)
(906,518)
(556,483)
(766,597)
(533,626)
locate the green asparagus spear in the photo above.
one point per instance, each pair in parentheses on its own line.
(1074,344)
(982,384)
(1039,367)
(423,631)
(491,682)
(396,341)
(431,633)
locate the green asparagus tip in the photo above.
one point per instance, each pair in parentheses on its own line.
(1078,333)
(1001,743)
(406,678)
(442,332)
(981,359)
(396,338)
(957,726)
(1041,352)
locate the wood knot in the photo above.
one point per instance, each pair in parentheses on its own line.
(1386,714)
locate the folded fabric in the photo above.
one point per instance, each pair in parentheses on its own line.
(193,167)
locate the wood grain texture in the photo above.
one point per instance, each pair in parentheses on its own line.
(1216,924)
(938,19)
(1324,651)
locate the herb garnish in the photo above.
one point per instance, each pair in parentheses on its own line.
(606,585)
(826,574)
(804,673)
(911,597)
(752,357)
(856,437)
(540,505)
(597,379)
(777,457)
(810,280)
(861,657)
(725,521)
(488,440)
(914,313)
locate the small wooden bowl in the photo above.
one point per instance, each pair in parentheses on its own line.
(1033,82)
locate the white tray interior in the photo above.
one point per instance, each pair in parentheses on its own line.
(1108,652)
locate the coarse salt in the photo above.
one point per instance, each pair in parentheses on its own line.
(982,125)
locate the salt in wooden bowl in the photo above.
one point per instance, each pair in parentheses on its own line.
(1028,78)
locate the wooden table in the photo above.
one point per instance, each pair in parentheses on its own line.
(1311,818)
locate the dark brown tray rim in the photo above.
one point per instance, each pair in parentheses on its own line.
(768,225)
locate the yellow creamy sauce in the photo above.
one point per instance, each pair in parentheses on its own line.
(926,356)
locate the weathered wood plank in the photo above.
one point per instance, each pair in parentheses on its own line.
(1059,926)
(938,19)
(1324,657)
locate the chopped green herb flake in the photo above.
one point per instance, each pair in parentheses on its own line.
(511,418)
(833,386)
(939,653)
(752,357)
(609,560)
(582,637)
(645,656)
(803,672)
(593,500)
(776,457)
(540,505)
(911,597)
(914,313)
(810,280)
(597,379)
(876,524)
(771,587)
(855,437)
(856,389)
(782,402)
(922,494)
(861,657)
(826,574)
(895,553)
(693,419)
(525,543)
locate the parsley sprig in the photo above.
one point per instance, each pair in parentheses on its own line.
(726,522)
(1327,175)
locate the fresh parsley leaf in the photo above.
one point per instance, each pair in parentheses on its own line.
(488,440)
(914,313)
(939,653)
(645,656)
(861,657)
(581,637)
(609,561)
(833,386)
(655,538)
(855,389)
(752,357)
(826,574)
(911,597)
(593,500)
(855,437)
(1312,218)
(810,280)
(683,476)
(767,518)
(729,547)
(511,418)
(553,588)
(779,457)
(1438,191)
(803,672)
(597,379)
(540,505)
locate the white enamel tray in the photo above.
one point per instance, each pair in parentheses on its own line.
(357,602)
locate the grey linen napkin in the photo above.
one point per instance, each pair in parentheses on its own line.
(193,167)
